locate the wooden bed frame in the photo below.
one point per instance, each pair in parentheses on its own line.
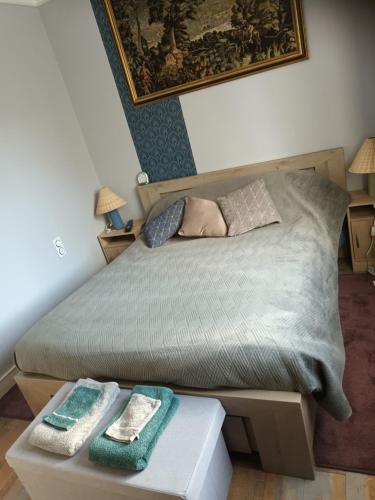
(278,425)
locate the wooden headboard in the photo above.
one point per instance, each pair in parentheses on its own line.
(329,163)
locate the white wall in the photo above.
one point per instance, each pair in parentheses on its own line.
(75,37)
(47,182)
(326,101)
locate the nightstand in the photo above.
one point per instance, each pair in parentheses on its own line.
(361,216)
(114,242)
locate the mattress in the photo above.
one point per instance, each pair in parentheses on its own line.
(256,311)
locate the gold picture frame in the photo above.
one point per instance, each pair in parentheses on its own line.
(163,58)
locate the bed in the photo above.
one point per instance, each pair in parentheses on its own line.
(180,315)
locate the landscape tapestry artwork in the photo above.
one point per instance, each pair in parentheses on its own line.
(168,47)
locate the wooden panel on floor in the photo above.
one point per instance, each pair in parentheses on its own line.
(360,486)
(240,487)
(251,484)
(257,484)
(337,486)
(370,488)
(9,432)
(292,488)
(273,487)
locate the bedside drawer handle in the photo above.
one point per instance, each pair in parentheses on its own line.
(357,240)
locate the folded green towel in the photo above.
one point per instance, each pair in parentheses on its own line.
(76,406)
(135,455)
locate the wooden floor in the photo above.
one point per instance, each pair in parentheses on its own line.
(251,484)
(10,487)
(248,483)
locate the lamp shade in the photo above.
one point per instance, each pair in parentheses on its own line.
(108,201)
(364,162)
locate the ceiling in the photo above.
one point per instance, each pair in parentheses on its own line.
(29,3)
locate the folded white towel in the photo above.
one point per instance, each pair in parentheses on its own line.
(138,412)
(69,442)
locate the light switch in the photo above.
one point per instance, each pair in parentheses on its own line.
(59,245)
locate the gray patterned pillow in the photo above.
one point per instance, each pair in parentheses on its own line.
(165,225)
(248,208)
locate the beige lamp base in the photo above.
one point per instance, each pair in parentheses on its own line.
(371,185)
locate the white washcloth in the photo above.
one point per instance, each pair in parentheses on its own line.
(69,442)
(138,412)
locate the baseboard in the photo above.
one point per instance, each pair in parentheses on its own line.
(7,380)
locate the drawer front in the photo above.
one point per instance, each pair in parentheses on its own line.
(361,237)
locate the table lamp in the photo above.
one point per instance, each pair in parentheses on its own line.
(364,163)
(108,203)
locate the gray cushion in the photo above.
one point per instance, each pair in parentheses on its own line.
(158,230)
(248,208)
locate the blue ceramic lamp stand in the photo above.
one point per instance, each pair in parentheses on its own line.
(115,219)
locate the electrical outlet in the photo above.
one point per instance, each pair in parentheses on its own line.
(59,246)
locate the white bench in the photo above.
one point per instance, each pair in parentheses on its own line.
(190,460)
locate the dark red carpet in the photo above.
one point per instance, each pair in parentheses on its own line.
(350,445)
(13,405)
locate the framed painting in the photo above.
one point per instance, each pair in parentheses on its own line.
(168,47)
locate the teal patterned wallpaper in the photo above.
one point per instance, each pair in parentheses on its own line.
(158,129)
